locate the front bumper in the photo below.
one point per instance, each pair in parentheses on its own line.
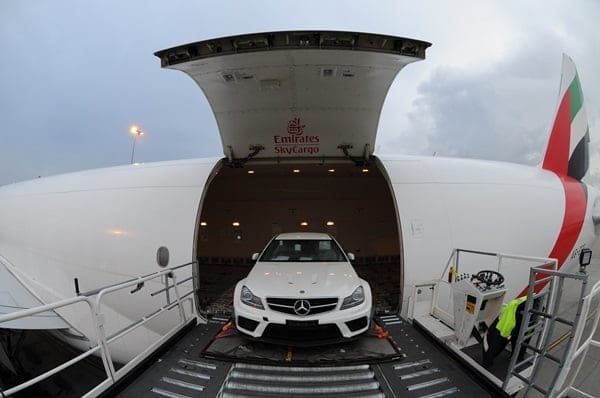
(325,328)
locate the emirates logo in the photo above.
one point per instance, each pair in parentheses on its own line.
(295,143)
(295,127)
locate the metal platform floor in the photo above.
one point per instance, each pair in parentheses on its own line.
(422,369)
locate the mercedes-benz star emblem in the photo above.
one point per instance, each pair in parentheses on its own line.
(302,307)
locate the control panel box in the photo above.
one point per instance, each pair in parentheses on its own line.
(474,303)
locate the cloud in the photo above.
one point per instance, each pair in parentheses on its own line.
(78,74)
(479,115)
(496,110)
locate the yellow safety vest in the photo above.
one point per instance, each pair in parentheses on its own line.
(508,317)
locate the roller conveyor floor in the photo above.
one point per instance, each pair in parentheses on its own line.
(408,365)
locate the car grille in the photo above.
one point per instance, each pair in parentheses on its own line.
(298,333)
(317,305)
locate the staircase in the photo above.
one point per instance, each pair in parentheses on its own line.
(540,320)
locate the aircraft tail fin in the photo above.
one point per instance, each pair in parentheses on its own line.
(567,153)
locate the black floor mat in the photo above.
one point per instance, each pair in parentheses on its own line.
(234,347)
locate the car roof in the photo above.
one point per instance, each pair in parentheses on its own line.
(303,235)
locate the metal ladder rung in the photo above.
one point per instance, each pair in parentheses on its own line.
(522,378)
(540,389)
(531,335)
(540,313)
(523,362)
(557,319)
(528,381)
(540,295)
(533,327)
(552,358)
(545,354)
(565,321)
(532,348)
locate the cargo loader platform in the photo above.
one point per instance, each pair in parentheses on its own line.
(210,362)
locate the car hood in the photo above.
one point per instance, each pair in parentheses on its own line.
(274,279)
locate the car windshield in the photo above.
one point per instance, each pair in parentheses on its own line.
(309,250)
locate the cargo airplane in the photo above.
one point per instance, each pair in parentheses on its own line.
(298,113)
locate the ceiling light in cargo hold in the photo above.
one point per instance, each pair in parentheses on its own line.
(296,171)
(235,223)
(330,223)
(365,170)
(203,224)
(251,171)
(328,72)
(304,224)
(331,170)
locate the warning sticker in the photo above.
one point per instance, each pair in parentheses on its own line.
(470,307)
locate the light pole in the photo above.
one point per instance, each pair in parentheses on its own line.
(136,131)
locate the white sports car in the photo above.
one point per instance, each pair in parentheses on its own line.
(302,291)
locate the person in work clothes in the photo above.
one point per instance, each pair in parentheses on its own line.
(505,328)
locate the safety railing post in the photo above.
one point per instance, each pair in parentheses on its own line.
(456,260)
(168,296)
(182,317)
(102,342)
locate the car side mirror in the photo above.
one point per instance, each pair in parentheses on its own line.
(255,256)
(351,256)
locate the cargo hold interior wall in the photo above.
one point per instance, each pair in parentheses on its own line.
(243,208)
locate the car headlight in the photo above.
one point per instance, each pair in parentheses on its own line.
(357,297)
(250,299)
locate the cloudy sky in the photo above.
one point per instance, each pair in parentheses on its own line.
(74,75)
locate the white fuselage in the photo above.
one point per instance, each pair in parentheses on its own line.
(104,226)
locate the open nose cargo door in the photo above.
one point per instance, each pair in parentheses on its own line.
(296,94)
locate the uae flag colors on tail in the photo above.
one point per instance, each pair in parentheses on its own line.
(567,155)
(567,152)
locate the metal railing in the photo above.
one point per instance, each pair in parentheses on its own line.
(454,262)
(94,301)
(579,350)
(541,316)
(455,255)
